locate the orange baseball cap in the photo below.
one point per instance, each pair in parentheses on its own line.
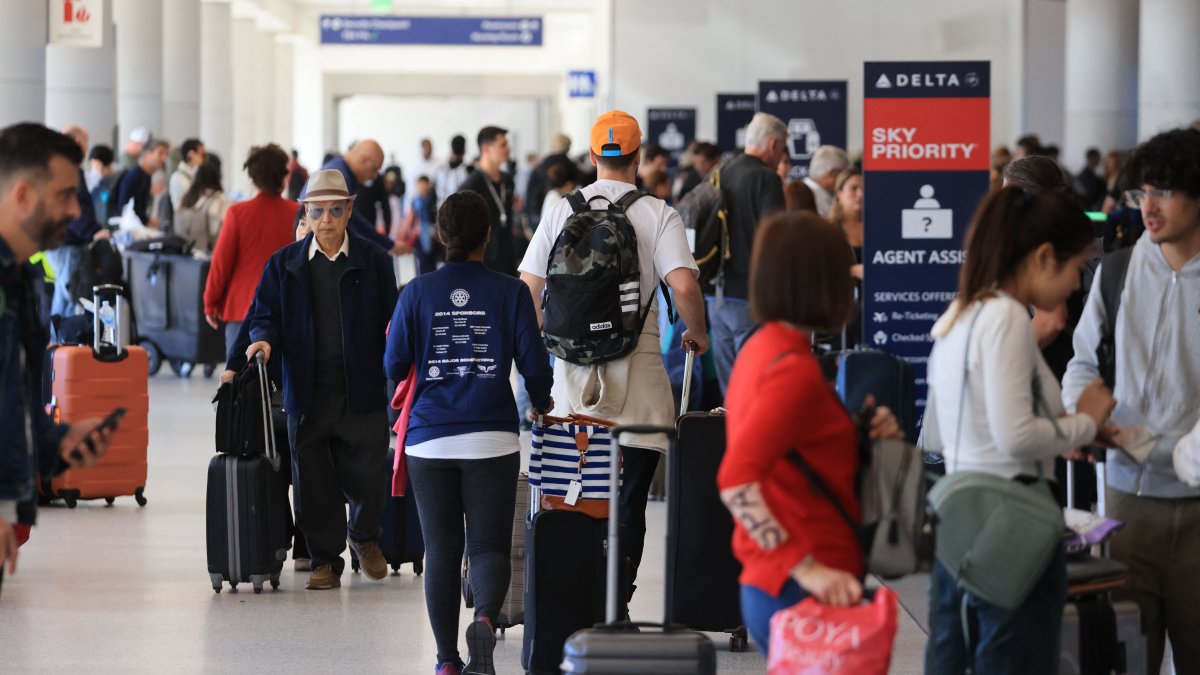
(615,133)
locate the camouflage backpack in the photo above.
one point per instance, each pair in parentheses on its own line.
(593,304)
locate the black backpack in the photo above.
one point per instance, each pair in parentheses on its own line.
(101,265)
(1113,269)
(593,304)
(704,214)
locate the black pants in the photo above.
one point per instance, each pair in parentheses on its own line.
(338,456)
(484,491)
(637,474)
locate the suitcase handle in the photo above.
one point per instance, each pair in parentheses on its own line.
(688,363)
(264,387)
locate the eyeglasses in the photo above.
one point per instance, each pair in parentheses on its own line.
(318,212)
(1134,198)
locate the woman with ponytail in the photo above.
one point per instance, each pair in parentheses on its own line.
(995,407)
(459,331)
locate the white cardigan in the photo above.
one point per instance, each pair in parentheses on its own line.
(1001,432)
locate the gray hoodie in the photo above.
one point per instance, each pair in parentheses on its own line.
(1158,363)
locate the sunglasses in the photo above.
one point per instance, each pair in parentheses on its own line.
(1134,198)
(318,212)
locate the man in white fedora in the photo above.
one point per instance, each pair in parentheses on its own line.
(322,306)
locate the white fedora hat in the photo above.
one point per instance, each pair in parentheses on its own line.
(327,185)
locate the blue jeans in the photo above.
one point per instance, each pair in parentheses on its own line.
(758,607)
(64,259)
(1024,640)
(232,329)
(730,326)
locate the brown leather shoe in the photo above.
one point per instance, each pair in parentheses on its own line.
(370,558)
(323,579)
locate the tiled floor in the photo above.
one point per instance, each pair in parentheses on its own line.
(125,589)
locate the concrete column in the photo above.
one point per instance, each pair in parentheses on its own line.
(1102,77)
(264,87)
(284,69)
(81,86)
(181,69)
(244,75)
(216,84)
(23,27)
(139,66)
(1169,84)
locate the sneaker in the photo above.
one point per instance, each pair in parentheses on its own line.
(302,564)
(323,578)
(448,668)
(370,558)
(481,642)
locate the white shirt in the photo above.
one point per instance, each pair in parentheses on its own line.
(180,181)
(823,197)
(1001,434)
(662,244)
(475,445)
(1187,457)
(552,199)
(315,248)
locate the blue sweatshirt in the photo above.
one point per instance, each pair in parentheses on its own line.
(463,326)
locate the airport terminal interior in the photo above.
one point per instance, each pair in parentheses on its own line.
(919,105)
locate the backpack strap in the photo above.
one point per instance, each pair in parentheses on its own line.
(629,198)
(1113,270)
(577,202)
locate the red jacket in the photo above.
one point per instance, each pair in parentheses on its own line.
(778,400)
(252,231)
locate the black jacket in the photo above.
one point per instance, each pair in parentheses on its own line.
(752,191)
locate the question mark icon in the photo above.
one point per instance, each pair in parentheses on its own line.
(928,221)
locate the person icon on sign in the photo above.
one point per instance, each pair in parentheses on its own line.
(927,201)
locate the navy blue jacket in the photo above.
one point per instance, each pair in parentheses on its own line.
(282,316)
(22,348)
(358,222)
(134,184)
(81,230)
(463,326)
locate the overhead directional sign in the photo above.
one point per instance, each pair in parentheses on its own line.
(510,31)
(814,112)
(581,83)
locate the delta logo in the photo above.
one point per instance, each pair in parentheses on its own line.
(917,80)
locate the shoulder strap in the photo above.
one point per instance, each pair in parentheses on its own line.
(821,487)
(629,198)
(577,202)
(1113,270)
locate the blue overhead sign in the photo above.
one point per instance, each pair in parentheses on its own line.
(582,83)
(814,112)
(672,128)
(513,31)
(734,112)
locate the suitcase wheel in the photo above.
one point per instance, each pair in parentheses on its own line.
(738,641)
(209,369)
(257,589)
(153,356)
(110,500)
(217,582)
(395,570)
(140,496)
(354,566)
(274,583)
(71,497)
(419,567)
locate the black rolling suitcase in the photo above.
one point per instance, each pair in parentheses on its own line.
(247,512)
(700,555)
(617,647)
(168,300)
(400,538)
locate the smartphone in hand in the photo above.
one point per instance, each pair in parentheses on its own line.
(107,424)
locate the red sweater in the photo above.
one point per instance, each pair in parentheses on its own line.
(252,231)
(778,400)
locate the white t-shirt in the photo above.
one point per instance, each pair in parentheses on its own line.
(477,445)
(662,243)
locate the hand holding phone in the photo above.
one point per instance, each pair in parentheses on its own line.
(87,440)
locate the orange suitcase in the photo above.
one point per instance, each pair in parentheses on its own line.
(83,386)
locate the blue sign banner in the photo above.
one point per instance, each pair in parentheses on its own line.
(734,112)
(510,31)
(672,128)
(925,165)
(581,83)
(814,112)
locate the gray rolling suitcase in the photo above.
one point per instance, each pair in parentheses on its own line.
(618,648)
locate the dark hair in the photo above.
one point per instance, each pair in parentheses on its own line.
(102,154)
(155,144)
(652,152)
(1030,143)
(799,197)
(458,145)
(561,173)
(28,147)
(422,178)
(208,177)
(1169,161)
(655,179)
(1093,153)
(463,224)
(836,216)
(800,272)
(189,146)
(1011,223)
(616,163)
(1052,150)
(488,135)
(267,166)
(1036,172)
(708,151)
